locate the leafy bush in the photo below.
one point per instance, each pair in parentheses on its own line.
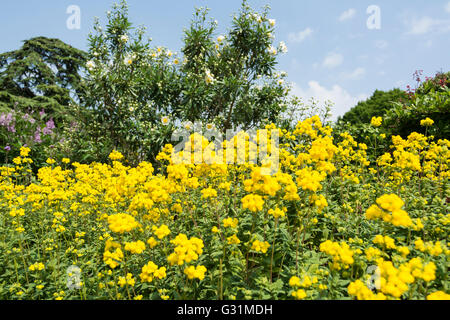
(44,74)
(401,113)
(376,106)
(431,99)
(229,82)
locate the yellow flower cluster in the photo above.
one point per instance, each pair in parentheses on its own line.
(265,184)
(307,281)
(309,179)
(277,212)
(341,253)
(395,281)
(115,155)
(122,222)
(38,266)
(209,193)
(152,242)
(376,121)
(135,247)
(24,151)
(299,294)
(161,232)
(252,202)
(195,272)
(260,246)
(385,241)
(362,292)
(427,122)
(433,249)
(372,253)
(112,259)
(233,239)
(230,223)
(128,280)
(392,212)
(151,271)
(186,250)
(438,295)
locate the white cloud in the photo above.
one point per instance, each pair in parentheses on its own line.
(300,36)
(354,75)
(381,44)
(343,101)
(447,7)
(332,60)
(346,15)
(426,25)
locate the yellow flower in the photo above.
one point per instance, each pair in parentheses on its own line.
(438,295)
(135,247)
(390,202)
(426,122)
(195,272)
(152,242)
(294,281)
(277,213)
(161,232)
(376,121)
(151,271)
(252,202)
(122,222)
(230,222)
(186,250)
(209,193)
(299,294)
(38,266)
(115,155)
(260,246)
(233,239)
(128,280)
(24,151)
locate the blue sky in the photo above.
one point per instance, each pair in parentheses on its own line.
(332,53)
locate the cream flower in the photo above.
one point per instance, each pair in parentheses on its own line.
(209,78)
(165,120)
(272,50)
(90,65)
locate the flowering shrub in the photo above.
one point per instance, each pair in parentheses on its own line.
(36,131)
(329,224)
(136,93)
